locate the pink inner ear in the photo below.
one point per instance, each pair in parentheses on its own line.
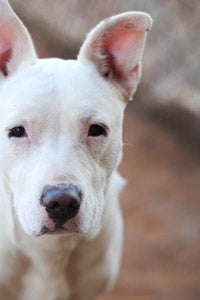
(123,46)
(6,38)
(4,59)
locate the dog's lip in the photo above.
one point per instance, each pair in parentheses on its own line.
(44,230)
(55,231)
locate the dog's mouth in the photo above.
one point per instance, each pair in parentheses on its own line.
(56,230)
(60,228)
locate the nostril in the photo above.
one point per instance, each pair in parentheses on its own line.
(53,205)
(73,207)
(74,204)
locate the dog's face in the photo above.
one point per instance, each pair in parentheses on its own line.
(68,136)
(61,121)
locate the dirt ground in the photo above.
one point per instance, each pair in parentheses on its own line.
(162,215)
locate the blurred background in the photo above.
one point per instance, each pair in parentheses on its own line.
(161,203)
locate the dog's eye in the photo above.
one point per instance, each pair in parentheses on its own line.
(17,132)
(97,130)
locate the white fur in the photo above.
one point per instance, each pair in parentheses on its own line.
(56,101)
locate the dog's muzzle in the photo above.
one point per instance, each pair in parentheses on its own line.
(62,202)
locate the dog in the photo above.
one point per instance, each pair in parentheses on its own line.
(61,228)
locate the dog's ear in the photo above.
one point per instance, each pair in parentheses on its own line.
(116,46)
(16,47)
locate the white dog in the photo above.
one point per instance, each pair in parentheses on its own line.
(61,228)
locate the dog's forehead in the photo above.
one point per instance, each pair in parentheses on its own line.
(68,84)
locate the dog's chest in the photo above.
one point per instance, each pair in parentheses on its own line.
(37,270)
(47,273)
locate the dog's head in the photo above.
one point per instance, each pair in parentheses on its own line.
(61,121)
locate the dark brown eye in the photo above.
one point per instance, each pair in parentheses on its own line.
(17,132)
(97,130)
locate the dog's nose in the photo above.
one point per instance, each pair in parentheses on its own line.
(62,202)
